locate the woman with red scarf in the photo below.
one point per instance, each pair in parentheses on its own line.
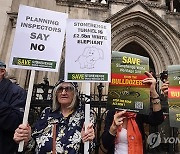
(124,131)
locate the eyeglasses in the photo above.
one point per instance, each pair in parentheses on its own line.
(67,89)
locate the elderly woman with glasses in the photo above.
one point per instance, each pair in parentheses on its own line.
(60,129)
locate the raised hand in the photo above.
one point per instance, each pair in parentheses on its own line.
(118,121)
(164,88)
(151,81)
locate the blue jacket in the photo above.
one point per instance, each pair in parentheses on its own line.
(68,132)
(12,103)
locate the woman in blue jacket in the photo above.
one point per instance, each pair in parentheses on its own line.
(60,129)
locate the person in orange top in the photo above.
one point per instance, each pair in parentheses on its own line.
(124,131)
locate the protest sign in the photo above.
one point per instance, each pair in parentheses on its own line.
(88,51)
(37,45)
(174,95)
(88,56)
(38,39)
(126,90)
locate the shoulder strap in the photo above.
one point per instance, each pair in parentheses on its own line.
(54,139)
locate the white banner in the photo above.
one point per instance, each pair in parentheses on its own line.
(38,39)
(88,51)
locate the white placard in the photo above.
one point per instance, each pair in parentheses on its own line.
(38,39)
(88,51)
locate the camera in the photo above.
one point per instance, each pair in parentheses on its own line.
(164,76)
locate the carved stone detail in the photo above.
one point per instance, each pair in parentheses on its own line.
(140,29)
(13,18)
(82,4)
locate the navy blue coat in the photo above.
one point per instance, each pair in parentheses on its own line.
(12,103)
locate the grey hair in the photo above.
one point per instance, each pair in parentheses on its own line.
(56,105)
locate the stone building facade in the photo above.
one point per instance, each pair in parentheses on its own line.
(149,28)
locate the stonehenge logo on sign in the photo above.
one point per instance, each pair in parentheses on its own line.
(38,39)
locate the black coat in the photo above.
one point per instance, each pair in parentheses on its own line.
(12,103)
(108,140)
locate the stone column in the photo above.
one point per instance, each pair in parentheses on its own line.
(19,74)
(12,18)
(5,6)
(171,6)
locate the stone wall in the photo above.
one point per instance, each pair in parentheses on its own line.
(90,9)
